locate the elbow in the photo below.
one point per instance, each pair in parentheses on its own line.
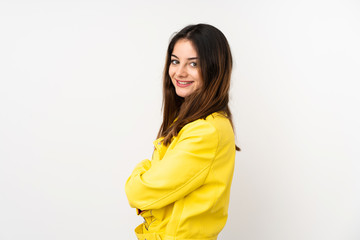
(133,194)
(130,194)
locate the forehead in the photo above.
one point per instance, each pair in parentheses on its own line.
(184,48)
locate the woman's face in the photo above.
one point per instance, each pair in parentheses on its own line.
(184,70)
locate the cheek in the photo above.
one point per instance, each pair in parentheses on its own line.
(198,78)
(171,71)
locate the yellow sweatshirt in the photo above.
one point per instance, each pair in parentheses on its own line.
(183,192)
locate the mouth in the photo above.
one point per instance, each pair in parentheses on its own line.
(183,83)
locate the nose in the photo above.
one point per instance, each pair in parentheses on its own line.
(181,71)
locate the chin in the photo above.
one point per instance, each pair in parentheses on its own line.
(182,94)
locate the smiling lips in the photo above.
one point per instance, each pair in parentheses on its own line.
(183,83)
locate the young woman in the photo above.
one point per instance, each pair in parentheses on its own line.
(183,192)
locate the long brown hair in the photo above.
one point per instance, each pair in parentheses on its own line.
(215,62)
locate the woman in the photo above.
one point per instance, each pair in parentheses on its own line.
(183,192)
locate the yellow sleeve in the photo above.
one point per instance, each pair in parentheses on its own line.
(182,169)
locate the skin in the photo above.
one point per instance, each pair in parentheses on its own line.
(184,70)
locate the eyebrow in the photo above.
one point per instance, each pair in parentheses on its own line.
(192,58)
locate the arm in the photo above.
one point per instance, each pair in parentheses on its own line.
(183,169)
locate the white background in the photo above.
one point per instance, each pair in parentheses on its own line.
(80,98)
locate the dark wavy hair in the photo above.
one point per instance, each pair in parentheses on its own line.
(215,62)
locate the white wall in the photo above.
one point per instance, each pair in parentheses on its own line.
(80,96)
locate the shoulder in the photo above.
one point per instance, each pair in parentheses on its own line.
(212,135)
(220,121)
(215,125)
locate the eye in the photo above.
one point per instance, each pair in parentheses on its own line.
(193,64)
(174,61)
